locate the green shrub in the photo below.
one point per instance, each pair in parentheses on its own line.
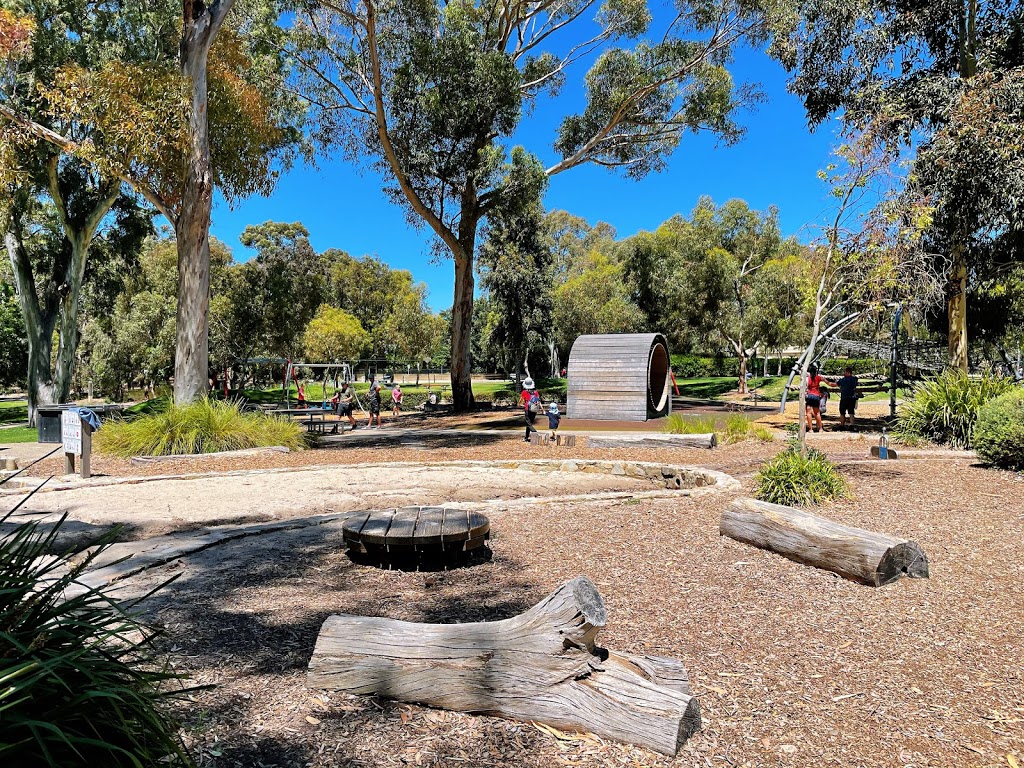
(762,433)
(79,685)
(677,424)
(999,433)
(792,479)
(737,428)
(205,426)
(945,409)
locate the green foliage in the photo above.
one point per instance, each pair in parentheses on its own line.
(999,433)
(737,428)
(13,345)
(81,684)
(762,433)
(594,301)
(334,336)
(945,409)
(793,479)
(677,424)
(205,426)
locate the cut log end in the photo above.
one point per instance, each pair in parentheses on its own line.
(904,559)
(589,602)
(688,725)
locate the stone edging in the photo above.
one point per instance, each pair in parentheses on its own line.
(689,476)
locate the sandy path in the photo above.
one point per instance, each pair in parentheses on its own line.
(160,506)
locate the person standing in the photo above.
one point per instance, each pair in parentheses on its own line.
(554,417)
(302,395)
(396,400)
(347,403)
(373,403)
(528,399)
(813,399)
(847,396)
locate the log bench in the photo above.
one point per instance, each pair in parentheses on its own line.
(561,440)
(542,665)
(413,538)
(863,556)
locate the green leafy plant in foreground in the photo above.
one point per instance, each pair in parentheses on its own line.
(677,424)
(945,409)
(999,433)
(793,479)
(79,684)
(205,426)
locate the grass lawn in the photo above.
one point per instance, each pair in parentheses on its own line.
(19,435)
(13,411)
(713,387)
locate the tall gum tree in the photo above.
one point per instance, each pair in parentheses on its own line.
(153,124)
(909,64)
(52,207)
(433,91)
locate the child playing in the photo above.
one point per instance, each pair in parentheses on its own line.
(553,418)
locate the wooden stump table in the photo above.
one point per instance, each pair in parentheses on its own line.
(416,537)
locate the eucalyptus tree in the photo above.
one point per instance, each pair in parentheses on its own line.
(515,263)
(434,91)
(913,67)
(174,80)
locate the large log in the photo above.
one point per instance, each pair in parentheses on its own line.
(864,556)
(611,440)
(541,665)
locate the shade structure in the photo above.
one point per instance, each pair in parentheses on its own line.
(619,377)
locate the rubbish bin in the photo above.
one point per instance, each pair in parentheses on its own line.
(48,422)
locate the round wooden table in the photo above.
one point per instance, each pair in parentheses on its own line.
(415,537)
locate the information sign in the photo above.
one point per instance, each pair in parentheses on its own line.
(71,432)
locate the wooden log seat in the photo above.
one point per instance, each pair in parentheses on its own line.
(542,665)
(411,537)
(864,556)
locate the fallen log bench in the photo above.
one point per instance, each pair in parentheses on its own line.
(651,440)
(864,556)
(541,666)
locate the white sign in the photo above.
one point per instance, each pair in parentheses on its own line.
(71,432)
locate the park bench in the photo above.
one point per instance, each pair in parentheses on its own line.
(313,419)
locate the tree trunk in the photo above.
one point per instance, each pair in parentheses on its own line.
(864,556)
(192,227)
(67,326)
(462,331)
(542,665)
(957,308)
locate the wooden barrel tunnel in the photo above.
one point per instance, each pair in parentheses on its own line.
(619,376)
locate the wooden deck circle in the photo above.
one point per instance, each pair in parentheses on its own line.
(415,535)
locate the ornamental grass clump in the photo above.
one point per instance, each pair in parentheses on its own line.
(793,479)
(945,409)
(737,429)
(676,424)
(205,426)
(999,433)
(79,683)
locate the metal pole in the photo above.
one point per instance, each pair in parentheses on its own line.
(894,357)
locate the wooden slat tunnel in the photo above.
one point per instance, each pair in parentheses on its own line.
(619,376)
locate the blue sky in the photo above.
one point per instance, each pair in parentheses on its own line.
(776,163)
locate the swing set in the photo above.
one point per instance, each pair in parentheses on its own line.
(342,372)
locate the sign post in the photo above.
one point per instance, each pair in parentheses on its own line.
(76,436)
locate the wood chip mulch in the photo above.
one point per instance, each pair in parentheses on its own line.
(793,666)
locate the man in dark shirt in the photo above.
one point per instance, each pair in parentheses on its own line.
(847,396)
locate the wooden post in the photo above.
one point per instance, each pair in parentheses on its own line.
(86,464)
(542,665)
(865,556)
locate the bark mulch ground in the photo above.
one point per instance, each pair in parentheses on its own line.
(793,666)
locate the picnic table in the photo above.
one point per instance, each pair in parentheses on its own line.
(415,536)
(314,419)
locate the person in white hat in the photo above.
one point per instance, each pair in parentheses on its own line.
(530,402)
